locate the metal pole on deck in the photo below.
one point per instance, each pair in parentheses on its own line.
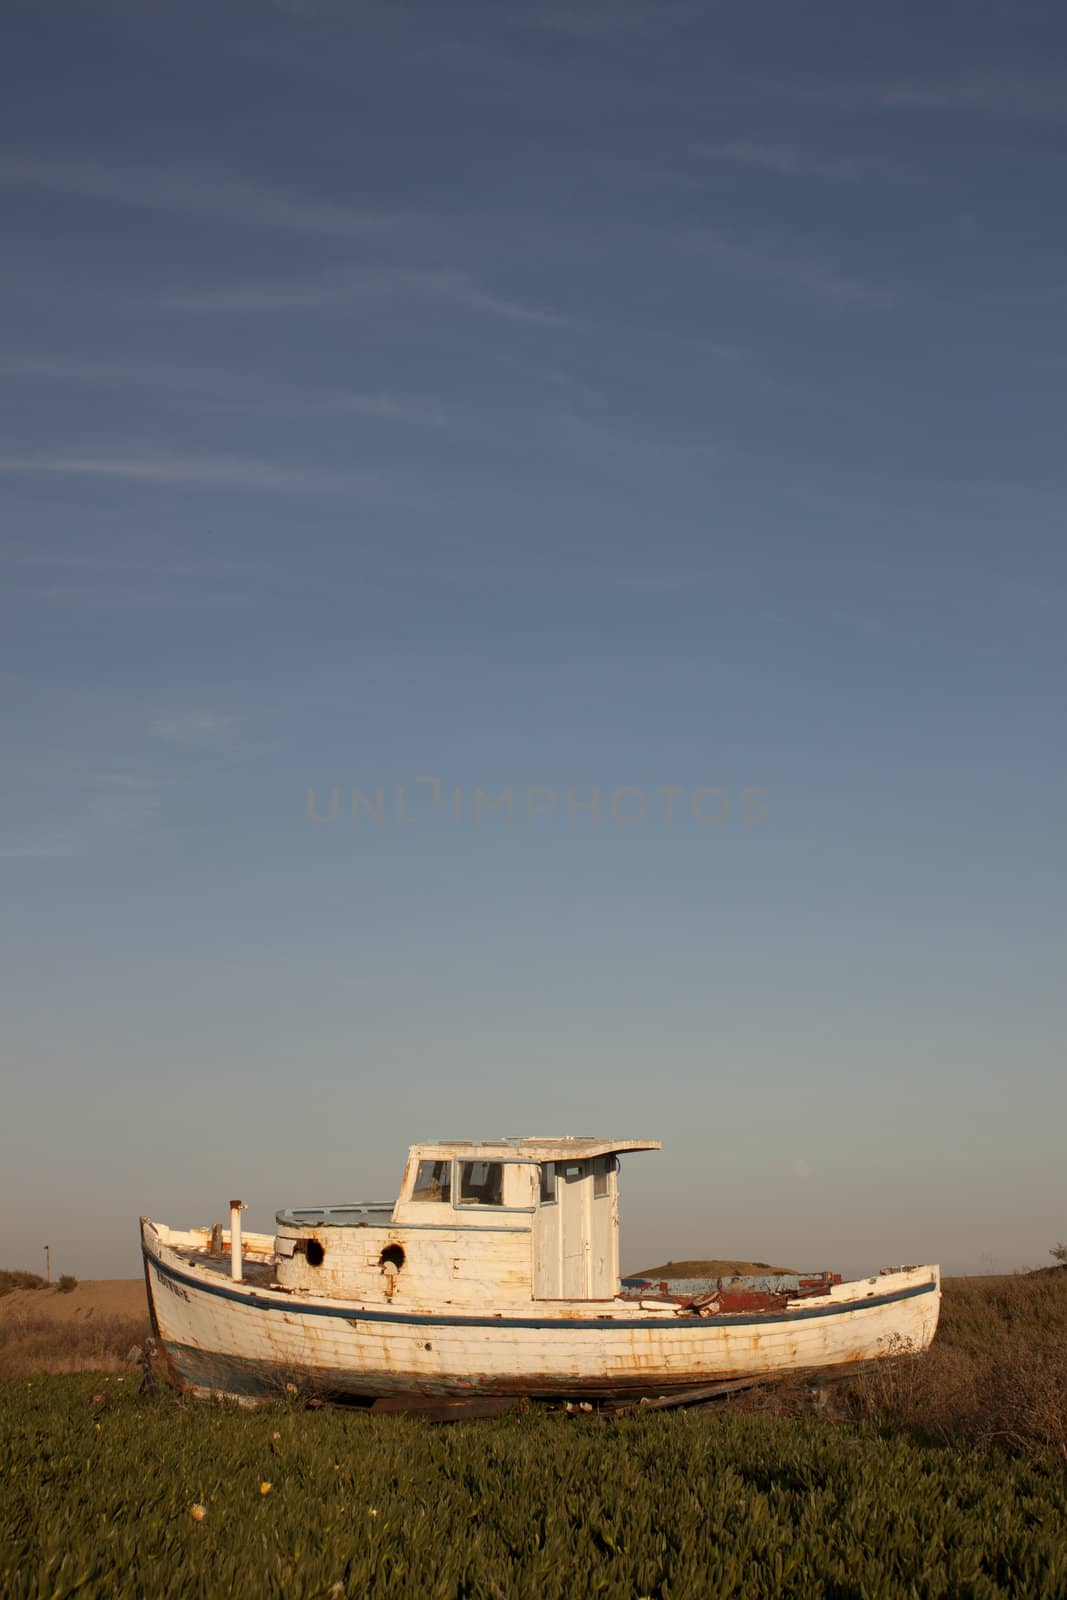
(236,1272)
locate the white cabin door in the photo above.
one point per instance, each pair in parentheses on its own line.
(574,1182)
(604,1230)
(561,1242)
(575,1232)
(547,1255)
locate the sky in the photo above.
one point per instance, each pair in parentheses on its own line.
(533,599)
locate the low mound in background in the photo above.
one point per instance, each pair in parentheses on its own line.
(707,1269)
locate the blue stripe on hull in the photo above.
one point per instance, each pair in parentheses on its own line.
(287,1305)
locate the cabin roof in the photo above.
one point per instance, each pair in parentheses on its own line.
(559,1149)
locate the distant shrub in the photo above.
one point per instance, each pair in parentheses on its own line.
(1059,1251)
(66,1283)
(12,1280)
(996,1373)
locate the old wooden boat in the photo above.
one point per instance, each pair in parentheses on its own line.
(495,1272)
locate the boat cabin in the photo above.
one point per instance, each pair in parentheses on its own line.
(499,1223)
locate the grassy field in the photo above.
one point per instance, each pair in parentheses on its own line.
(159,1497)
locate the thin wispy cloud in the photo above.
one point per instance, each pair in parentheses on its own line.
(163,469)
(801,161)
(904,636)
(820,278)
(196,728)
(146,572)
(126,783)
(492,67)
(228,198)
(119,596)
(1035,93)
(122,800)
(602,21)
(108,809)
(37,843)
(355,286)
(293,400)
(657,583)
(131,557)
(229,391)
(1028,92)
(607,442)
(813,274)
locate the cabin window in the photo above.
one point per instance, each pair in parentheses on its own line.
(548,1182)
(433,1181)
(481,1183)
(602,1169)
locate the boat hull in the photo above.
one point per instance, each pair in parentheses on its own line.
(239,1339)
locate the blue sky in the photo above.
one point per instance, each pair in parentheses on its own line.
(544,401)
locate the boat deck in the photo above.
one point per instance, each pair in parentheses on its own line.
(256,1267)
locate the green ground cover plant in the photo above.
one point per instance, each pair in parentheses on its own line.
(121,1494)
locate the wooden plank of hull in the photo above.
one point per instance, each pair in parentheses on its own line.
(240,1340)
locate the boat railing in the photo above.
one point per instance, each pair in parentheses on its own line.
(359,1213)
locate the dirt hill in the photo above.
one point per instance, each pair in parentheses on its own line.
(95,1298)
(706,1269)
